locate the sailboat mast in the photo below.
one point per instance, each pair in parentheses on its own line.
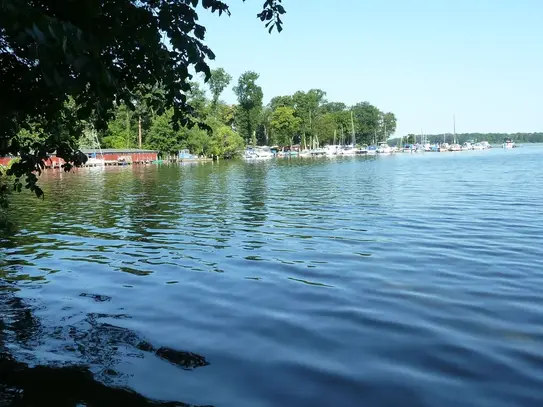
(352,128)
(310,124)
(454,128)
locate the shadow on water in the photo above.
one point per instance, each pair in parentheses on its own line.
(254,194)
(27,385)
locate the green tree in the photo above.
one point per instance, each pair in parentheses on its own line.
(97,53)
(198,101)
(324,127)
(307,107)
(388,125)
(366,119)
(148,101)
(284,125)
(281,101)
(225,114)
(162,136)
(250,97)
(341,116)
(197,141)
(333,107)
(121,130)
(230,143)
(263,131)
(217,83)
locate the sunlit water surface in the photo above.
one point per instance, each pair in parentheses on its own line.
(408,280)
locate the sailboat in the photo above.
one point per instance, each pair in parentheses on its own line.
(95,158)
(384,148)
(304,152)
(350,149)
(419,148)
(332,150)
(372,150)
(455,146)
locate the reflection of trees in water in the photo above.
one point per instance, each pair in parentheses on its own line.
(154,199)
(254,194)
(100,344)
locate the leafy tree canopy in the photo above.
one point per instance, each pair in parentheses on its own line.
(95,54)
(284,125)
(250,97)
(218,82)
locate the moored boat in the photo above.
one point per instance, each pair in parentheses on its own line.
(455,147)
(258,153)
(508,143)
(384,149)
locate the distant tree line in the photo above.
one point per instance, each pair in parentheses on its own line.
(492,138)
(225,129)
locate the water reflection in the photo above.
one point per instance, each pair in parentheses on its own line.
(254,194)
(149,212)
(93,380)
(409,280)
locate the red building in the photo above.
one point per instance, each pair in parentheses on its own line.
(105,156)
(113,156)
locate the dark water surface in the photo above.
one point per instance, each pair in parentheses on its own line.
(410,280)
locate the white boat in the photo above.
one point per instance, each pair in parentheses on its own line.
(362,151)
(249,154)
(384,148)
(348,150)
(371,150)
(331,151)
(455,147)
(485,145)
(508,143)
(258,153)
(478,146)
(419,148)
(318,152)
(95,162)
(467,146)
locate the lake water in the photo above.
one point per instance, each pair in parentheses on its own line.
(408,280)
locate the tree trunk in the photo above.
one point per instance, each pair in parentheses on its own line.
(139,132)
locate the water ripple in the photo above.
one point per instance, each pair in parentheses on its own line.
(411,280)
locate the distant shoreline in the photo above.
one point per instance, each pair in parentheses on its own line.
(492,138)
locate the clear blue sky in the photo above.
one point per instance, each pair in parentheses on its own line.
(421,59)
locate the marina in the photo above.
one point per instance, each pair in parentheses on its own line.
(123,157)
(266,153)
